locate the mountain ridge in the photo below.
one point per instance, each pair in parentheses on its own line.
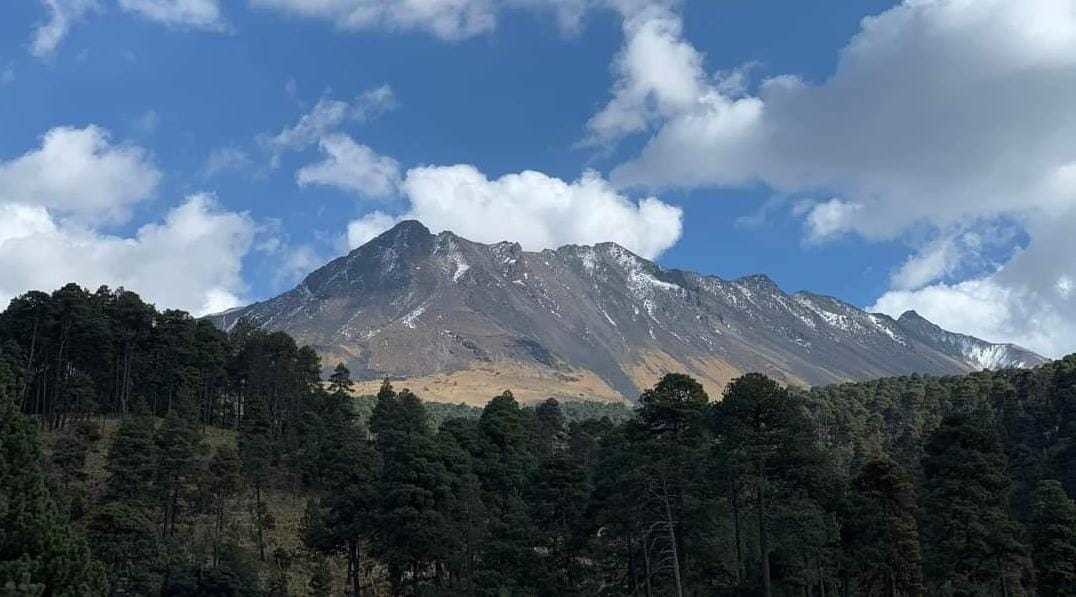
(457,317)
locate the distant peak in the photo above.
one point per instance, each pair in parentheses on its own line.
(403,232)
(758,280)
(408,228)
(911,315)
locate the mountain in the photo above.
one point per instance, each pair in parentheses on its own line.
(461,321)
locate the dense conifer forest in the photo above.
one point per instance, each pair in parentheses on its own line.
(145,452)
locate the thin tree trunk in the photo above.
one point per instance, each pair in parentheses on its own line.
(646,564)
(764,542)
(672,539)
(258,518)
(1001,577)
(736,526)
(27,378)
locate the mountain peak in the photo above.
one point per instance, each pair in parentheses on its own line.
(468,318)
(911,315)
(406,229)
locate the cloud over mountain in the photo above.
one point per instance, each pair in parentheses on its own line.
(940,113)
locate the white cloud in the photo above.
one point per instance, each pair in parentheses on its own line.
(7,75)
(830,218)
(80,173)
(353,167)
(450,20)
(938,110)
(532,208)
(939,113)
(224,159)
(197,238)
(658,75)
(194,14)
(62,14)
(327,116)
(1028,300)
(364,229)
(446,19)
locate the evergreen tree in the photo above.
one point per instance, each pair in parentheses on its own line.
(224,483)
(39,549)
(122,528)
(881,532)
(413,483)
(1053,539)
(132,463)
(772,447)
(559,495)
(257,454)
(340,380)
(177,445)
(972,543)
(549,428)
(463,510)
(344,517)
(321,579)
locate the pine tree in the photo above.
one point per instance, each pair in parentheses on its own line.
(121,528)
(131,463)
(413,483)
(321,579)
(772,448)
(972,543)
(1053,539)
(39,549)
(466,515)
(340,380)
(559,495)
(549,428)
(257,453)
(177,445)
(345,516)
(881,532)
(224,484)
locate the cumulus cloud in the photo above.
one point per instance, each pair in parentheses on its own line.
(658,74)
(80,173)
(353,167)
(1029,300)
(193,14)
(938,110)
(939,113)
(830,218)
(62,15)
(537,210)
(196,238)
(364,229)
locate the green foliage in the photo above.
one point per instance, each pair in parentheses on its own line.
(973,543)
(39,548)
(901,486)
(1053,539)
(880,533)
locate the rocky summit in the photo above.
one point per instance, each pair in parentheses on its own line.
(461,321)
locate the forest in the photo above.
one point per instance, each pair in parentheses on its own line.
(145,452)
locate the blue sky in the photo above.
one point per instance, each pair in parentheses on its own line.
(185,98)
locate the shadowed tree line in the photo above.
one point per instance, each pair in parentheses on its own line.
(900,486)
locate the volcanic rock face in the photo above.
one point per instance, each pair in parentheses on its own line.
(461,320)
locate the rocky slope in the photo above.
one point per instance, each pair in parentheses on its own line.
(461,321)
